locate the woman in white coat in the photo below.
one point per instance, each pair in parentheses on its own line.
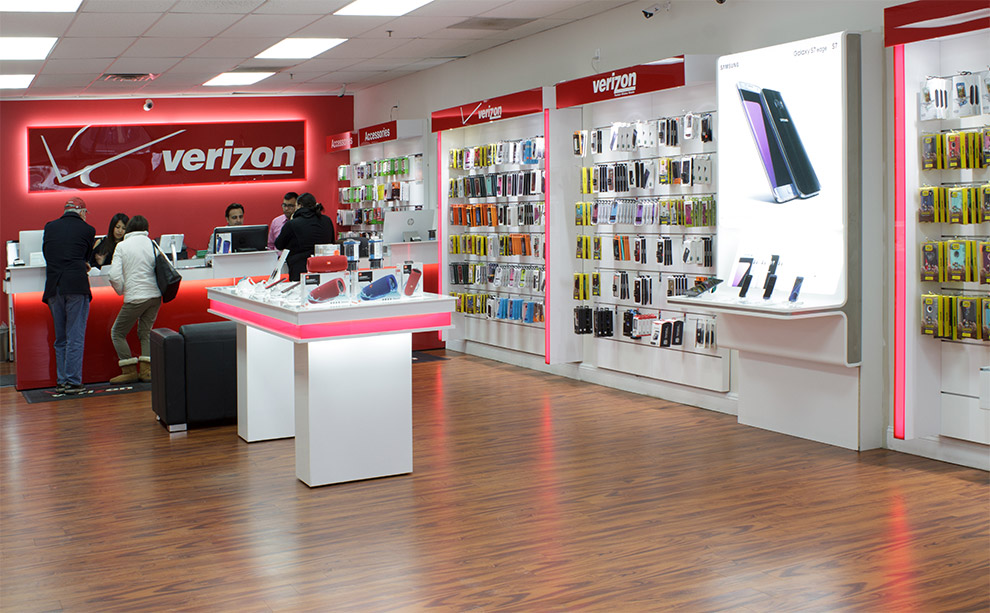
(133,275)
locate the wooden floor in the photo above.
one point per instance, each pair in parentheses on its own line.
(530,493)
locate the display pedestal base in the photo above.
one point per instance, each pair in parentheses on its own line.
(264,385)
(353,408)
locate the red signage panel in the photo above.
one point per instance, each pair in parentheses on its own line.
(928,19)
(655,76)
(378,133)
(341,142)
(503,107)
(152,155)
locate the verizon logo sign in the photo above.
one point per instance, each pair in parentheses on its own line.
(95,157)
(619,85)
(491,113)
(241,161)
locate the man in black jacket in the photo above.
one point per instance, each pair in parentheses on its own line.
(67,246)
(307,228)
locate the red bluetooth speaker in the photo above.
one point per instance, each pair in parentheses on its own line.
(326,263)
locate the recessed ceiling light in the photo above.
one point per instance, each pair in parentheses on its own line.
(299,48)
(238,78)
(39,6)
(377,8)
(25,47)
(15,81)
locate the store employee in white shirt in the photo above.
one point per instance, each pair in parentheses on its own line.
(288,208)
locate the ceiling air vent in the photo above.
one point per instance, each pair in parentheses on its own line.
(490,23)
(129,77)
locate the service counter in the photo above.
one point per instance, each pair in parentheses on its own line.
(33,333)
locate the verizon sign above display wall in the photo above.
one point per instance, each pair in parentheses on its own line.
(503,107)
(100,157)
(655,76)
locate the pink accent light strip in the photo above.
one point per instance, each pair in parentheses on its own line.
(546,235)
(336,329)
(900,260)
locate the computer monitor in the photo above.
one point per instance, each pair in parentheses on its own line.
(30,242)
(407,226)
(239,239)
(170,243)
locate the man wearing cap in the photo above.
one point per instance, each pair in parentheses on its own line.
(67,246)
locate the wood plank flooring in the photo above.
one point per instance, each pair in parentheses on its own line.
(530,493)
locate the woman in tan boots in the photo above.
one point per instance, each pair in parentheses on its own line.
(133,275)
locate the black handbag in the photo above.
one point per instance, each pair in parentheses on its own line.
(166,275)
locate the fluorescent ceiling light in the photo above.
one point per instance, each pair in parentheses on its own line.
(376,8)
(39,6)
(299,48)
(238,78)
(15,81)
(25,47)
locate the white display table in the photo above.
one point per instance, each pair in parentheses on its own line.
(345,372)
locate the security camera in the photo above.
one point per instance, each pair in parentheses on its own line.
(653,10)
(720,1)
(149,104)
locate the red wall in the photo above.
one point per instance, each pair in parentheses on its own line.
(190,210)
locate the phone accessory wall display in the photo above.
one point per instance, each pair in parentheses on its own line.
(959,260)
(934,99)
(956,149)
(957,204)
(524,151)
(955,317)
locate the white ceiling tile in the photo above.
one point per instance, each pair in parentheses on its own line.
(457,8)
(94,67)
(164,47)
(532,9)
(529,29)
(191,24)
(21,66)
(218,7)
(380,64)
(412,27)
(126,6)
(63,80)
(426,47)
(307,7)
(234,47)
(279,26)
(323,65)
(114,87)
(363,48)
(427,63)
(111,24)
(588,9)
(343,26)
(72,48)
(203,65)
(34,24)
(353,76)
(153,65)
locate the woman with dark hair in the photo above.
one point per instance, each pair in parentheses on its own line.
(133,275)
(300,235)
(103,247)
